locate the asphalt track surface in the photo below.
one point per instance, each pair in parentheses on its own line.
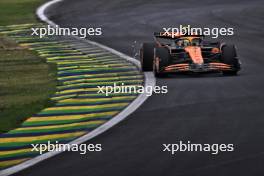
(207,108)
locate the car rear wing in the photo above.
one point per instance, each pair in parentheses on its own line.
(174,35)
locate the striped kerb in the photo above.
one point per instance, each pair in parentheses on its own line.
(79,108)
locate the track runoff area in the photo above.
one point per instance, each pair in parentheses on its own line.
(79,108)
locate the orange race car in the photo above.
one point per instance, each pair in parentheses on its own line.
(172,53)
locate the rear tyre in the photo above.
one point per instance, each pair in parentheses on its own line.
(146,56)
(161,60)
(229,56)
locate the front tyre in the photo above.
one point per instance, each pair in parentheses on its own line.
(146,56)
(229,56)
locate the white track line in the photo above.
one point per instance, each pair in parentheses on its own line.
(149,81)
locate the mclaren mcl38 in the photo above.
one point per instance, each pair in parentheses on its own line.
(172,53)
